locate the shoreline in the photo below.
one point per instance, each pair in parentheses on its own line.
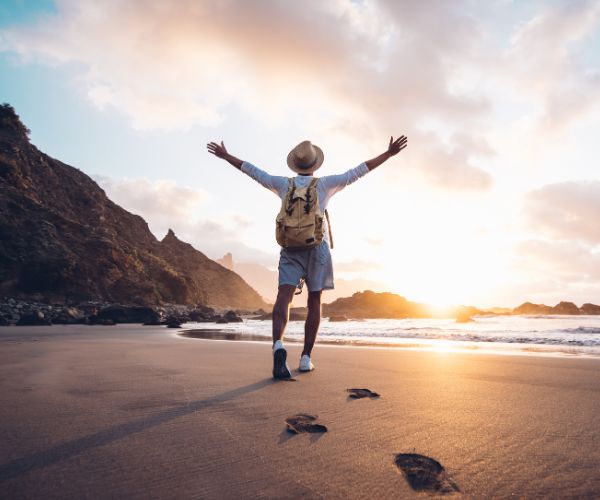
(21,333)
(459,347)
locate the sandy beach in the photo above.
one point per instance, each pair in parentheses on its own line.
(138,412)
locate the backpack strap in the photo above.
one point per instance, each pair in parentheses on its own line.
(329,229)
(311,186)
(290,195)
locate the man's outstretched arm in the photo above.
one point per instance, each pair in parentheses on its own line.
(393,149)
(274,183)
(220,151)
(335,183)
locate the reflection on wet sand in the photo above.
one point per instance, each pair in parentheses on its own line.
(218,334)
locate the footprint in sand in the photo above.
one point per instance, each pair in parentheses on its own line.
(304,423)
(361,393)
(425,474)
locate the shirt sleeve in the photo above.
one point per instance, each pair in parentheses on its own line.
(276,183)
(334,183)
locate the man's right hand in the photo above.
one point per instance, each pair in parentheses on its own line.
(221,152)
(218,150)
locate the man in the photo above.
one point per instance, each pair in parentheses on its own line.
(312,265)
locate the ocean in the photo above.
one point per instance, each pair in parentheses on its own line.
(544,335)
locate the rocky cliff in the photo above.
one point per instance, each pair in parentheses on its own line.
(62,239)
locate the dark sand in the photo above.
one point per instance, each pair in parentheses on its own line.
(136,412)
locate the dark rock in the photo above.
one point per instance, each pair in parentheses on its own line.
(221,320)
(232,317)
(4,321)
(130,314)
(589,309)
(208,311)
(197,316)
(92,319)
(173,322)
(34,319)
(67,315)
(201,315)
(335,318)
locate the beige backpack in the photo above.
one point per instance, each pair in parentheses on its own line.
(299,224)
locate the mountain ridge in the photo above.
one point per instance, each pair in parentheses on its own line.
(63,239)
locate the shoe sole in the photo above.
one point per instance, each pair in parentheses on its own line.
(309,370)
(280,369)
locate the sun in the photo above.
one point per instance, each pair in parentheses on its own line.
(443,276)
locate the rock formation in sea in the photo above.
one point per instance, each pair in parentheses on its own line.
(529,308)
(564,307)
(588,308)
(369,304)
(63,240)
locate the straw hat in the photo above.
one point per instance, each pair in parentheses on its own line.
(305,158)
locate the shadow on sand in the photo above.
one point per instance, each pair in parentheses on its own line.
(41,459)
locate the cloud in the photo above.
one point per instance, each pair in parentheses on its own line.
(551,271)
(546,59)
(566,261)
(362,67)
(567,210)
(563,251)
(452,165)
(158,200)
(358,266)
(215,239)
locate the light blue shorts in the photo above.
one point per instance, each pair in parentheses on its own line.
(314,265)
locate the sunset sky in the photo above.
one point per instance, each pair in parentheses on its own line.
(495,201)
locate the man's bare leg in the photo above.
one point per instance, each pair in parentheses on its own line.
(313,320)
(281,310)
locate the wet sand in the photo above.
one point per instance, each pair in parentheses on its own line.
(138,412)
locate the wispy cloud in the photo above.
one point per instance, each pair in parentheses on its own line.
(160,201)
(567,210)
(546,60)
(364,68)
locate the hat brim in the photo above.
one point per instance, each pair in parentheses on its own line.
(292,164)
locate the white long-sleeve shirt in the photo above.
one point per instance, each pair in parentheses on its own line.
(326,186)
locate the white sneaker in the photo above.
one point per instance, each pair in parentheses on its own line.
(306,364)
